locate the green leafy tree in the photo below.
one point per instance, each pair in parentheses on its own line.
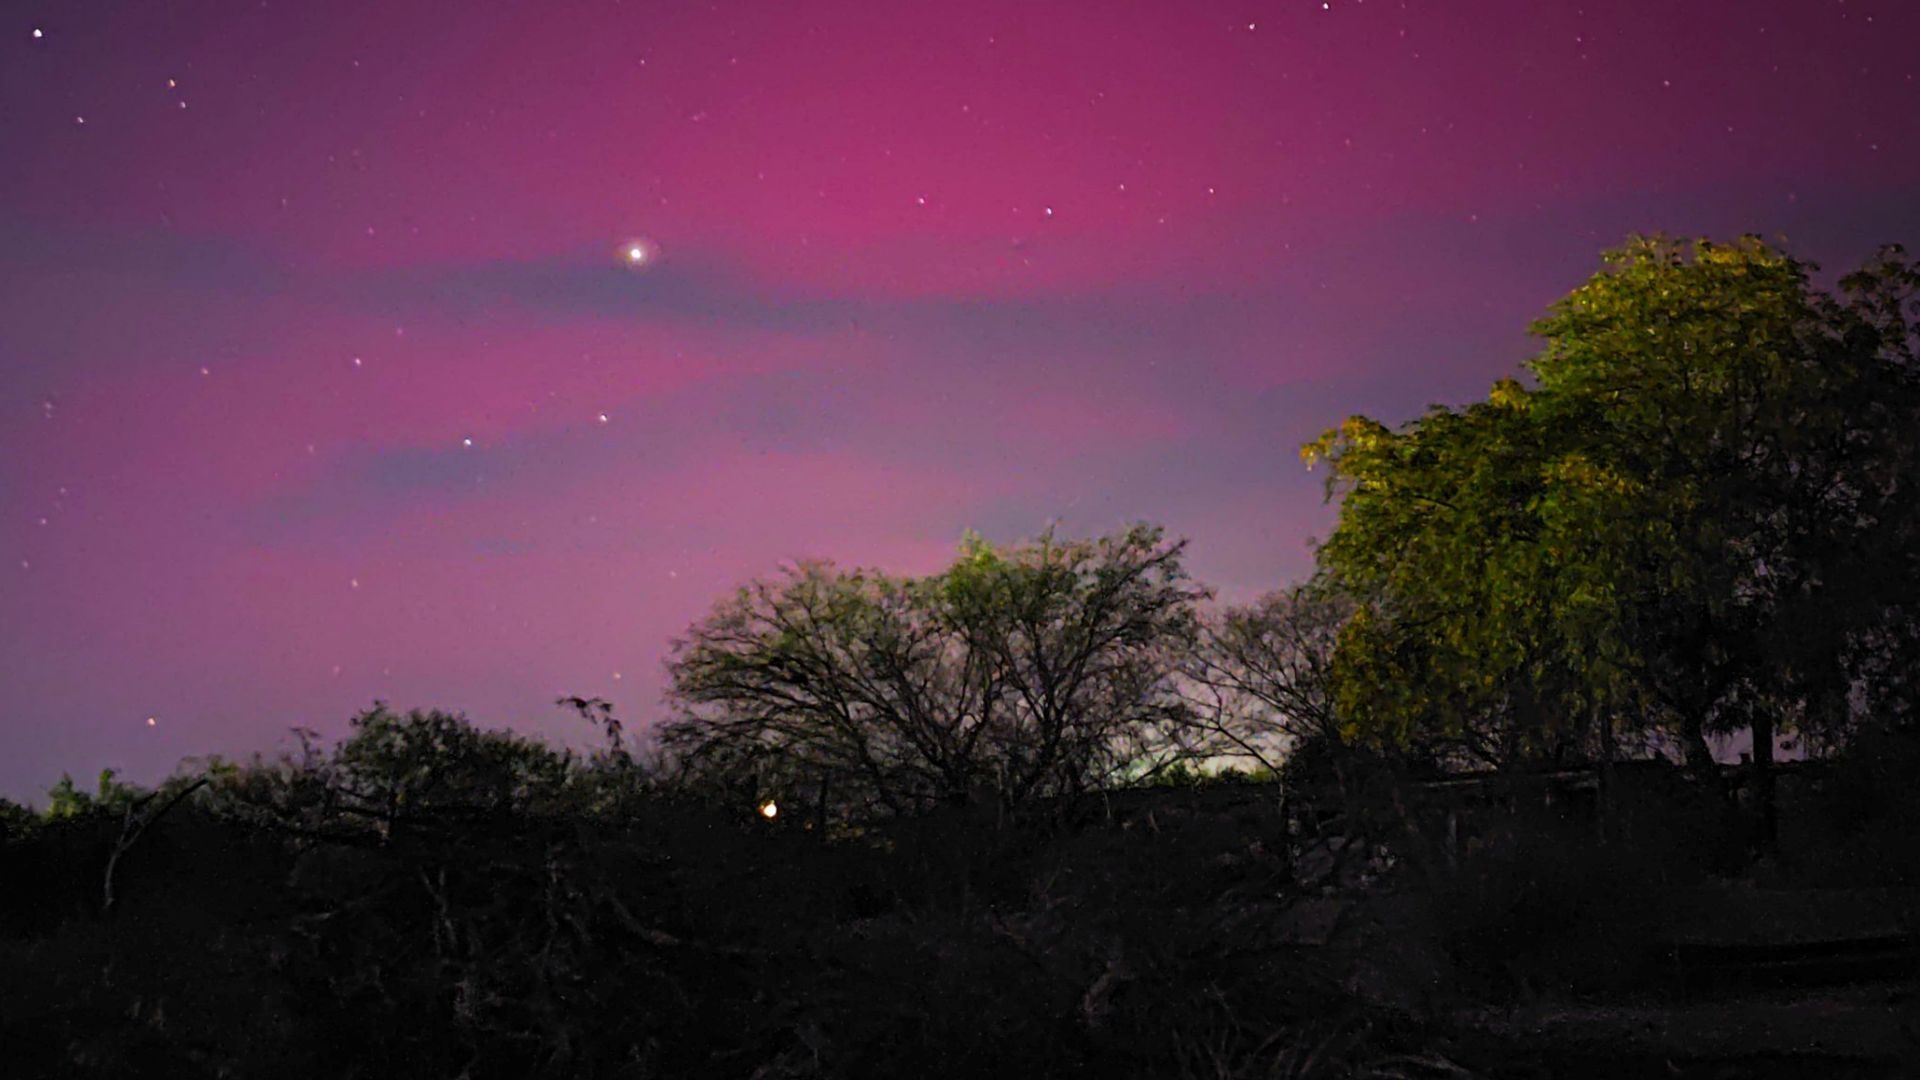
(1016,674)
(67,799)
(1698,521)
(1458,648)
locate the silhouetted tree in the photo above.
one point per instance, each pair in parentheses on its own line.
(1016,674)
(1261,680)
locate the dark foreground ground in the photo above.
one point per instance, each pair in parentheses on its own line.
(1184,933)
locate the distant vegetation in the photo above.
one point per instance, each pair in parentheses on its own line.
(1048,812)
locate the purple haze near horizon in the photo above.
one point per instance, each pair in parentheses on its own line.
(322,378)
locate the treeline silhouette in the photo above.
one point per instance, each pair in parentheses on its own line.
(1047,812)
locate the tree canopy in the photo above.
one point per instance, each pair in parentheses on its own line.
(1699,518)
(1018,673)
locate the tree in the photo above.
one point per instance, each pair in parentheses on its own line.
(396,771)
(1016,674)
(1260,677)
(68,800)
(1699,521)
(1458,644)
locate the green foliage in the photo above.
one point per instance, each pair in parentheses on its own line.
(66,799)
(1699,519)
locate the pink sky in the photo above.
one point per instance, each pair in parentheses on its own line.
(917,270)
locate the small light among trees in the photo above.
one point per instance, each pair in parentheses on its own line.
(769,810)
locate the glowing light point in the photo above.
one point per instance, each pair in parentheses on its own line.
(466,442)
(769,810)
(152,722)
(602,418)
(37,33)
(638,253)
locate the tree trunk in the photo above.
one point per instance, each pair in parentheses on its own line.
(1699,755)
(1603,797)
(1767,839)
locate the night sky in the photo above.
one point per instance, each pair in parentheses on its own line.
(328,371)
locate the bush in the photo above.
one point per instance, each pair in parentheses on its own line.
(1541,906)
(1866,808)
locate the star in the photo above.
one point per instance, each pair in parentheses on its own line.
(638,253)
(466,442)
(37,34)
(152,721)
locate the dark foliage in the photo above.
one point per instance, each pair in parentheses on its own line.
(429,899)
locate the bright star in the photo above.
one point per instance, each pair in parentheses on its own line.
(638,253)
